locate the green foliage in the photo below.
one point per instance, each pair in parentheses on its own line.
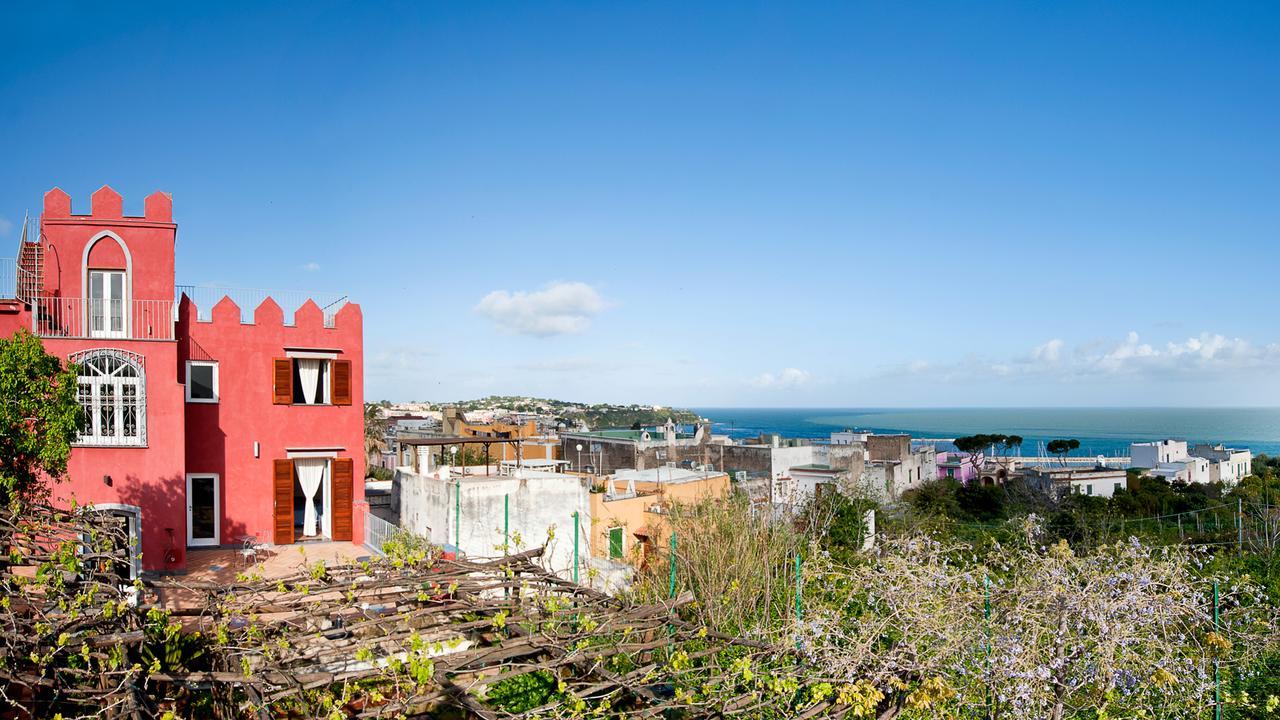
(375,428)
(404,548)
(39,418)
(1062,448)
(935,498)
(841,518)
(522,693)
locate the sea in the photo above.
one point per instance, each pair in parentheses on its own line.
(1101,431)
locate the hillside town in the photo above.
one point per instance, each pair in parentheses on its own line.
(639,361)
(529,474)
(164,369)
(220,459)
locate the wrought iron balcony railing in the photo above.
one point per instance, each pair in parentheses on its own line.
(60,317)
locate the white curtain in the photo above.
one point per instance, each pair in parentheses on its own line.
(310,475)
(309,376)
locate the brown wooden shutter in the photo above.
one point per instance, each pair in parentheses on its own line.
(343,478)
(283,381)
(340,383)
(283,497)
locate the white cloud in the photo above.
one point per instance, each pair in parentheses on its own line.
(6,226)
(1205,356)
(557,309)
(1048,352)
(310,267)
(787,379)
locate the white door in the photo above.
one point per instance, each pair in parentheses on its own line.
(204,510)
(107,304)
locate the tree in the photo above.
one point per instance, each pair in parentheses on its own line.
(39,419)
(974,446)
(375,428)
(1062,448)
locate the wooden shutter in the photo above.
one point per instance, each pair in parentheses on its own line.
(343,478)
(283,497)
(340,382)
(283,381)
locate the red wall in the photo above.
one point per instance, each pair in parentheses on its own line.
(186,437)
(220,436)
(150,477)
(150,240)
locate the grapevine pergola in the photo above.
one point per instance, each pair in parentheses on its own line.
(412,636)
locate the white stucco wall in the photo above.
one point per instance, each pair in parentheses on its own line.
(1096,487)
(1152,454)
(539,503)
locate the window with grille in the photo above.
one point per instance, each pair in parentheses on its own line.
(111,388)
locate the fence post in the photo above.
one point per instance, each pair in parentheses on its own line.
(1217,675)
(506,524)
(457,518)
(1240,525)
(575,547)
(672,591)
(986,614)
(799,588)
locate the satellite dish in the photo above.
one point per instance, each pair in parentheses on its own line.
(645,436)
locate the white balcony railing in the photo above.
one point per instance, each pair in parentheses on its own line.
(8,278)
(59,317)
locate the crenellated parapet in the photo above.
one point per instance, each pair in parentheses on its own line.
(226,313)
(107,204)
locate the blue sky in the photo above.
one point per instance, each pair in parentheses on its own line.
(758,204)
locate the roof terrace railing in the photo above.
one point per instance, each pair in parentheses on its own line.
(248,300)
(8,278)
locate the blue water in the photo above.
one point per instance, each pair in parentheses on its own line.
(1101,431)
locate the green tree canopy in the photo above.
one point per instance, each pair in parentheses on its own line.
(39,418)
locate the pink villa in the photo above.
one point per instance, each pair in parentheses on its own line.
(958,465)
(204,426)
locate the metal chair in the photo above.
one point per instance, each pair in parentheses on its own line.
(249,552)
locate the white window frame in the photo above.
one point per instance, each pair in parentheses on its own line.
(209,363)
(326,376)
(95,384)
(217,512)
(108,298)
(133,519)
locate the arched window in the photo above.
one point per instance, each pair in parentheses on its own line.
(112,390)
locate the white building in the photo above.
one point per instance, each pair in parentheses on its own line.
(1203,463)
(476,513)
(849,437)
(1062,481)
(1226,465)
(1188,470)
(1153,454)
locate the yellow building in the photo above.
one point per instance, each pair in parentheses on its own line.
(628,512)
(533,446)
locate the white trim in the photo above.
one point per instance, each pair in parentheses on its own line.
(290,454)
(216,396)
(326,501)
(135,530)
(313,354)
(217,511)
(127,301)
(95,382)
